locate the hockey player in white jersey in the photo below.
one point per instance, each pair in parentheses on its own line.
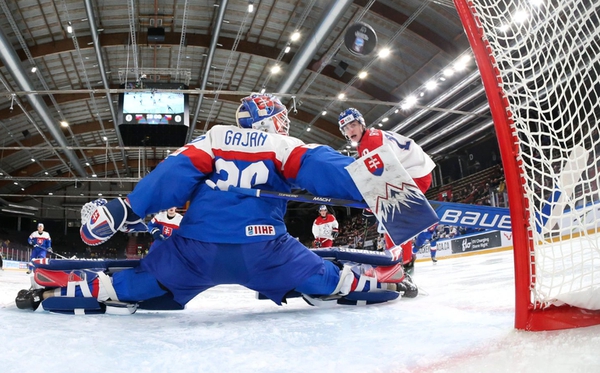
(325,228)
(416,162)
(225,237)
(164,223)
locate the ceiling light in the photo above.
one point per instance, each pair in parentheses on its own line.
(33,159)
(87,163)
(275,69)
(94,175)
(384,52)
(262,91)
(295,36)
(430,85)
(380,124)
(50,193)
(324,112)
(287,49)
(503,28)
(46,173)
(64,123)
(448,72)
(520,16)
(250,7)
(308,129)
(16,183)
(69,28)
(33,69)
(409,102)
(385,119)
(99,194)
(104,138)
(362,75)
(341,96)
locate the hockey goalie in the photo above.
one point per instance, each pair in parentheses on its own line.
(228,238)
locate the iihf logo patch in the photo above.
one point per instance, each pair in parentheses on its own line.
(374,165)
(260,230)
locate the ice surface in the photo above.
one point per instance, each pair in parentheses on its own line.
(461,322)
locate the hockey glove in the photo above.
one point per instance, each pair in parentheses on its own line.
(317,243)
(49,250)
(335,233)
(99,221)
(157,235)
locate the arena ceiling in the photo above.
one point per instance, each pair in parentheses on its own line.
(65,61)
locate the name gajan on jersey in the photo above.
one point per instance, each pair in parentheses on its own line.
(245,138)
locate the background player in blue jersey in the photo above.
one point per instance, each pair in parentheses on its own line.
(226,237)
(427,237)
(41,242)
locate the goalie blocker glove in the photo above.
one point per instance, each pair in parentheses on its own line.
(101,220)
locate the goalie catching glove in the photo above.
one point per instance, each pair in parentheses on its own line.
(100,220)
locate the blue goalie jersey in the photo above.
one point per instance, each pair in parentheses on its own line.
(201,172)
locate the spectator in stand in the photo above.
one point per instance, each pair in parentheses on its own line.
(1,262)
(325,228)
(42,244)
(163,224)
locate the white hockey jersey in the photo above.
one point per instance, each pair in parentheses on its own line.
(416,162)
(166,224)
(324,227)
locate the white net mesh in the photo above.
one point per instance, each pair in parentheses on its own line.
(547,54)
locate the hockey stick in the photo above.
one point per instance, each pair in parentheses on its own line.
(58,255)
(298,197)
(450,213)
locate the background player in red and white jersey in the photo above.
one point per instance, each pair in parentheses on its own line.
(412,157)
(325,228)
(164,223)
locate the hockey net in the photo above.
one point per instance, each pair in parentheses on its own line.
(539,62)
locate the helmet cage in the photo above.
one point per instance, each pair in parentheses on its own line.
(263,112)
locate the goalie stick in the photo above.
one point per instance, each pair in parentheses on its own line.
(450,213)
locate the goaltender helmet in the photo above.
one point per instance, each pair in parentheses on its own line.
(263,112)
(322,207)
(348,116)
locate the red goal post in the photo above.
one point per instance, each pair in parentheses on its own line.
(539,63)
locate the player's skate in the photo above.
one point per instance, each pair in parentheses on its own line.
(29,299)
(407,288)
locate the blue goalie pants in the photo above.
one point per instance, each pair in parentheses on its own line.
(187,267)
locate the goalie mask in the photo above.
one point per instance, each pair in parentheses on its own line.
(263,112)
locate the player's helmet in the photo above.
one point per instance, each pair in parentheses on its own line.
(322,207)
(40,225)
(263,112)
(349,116)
